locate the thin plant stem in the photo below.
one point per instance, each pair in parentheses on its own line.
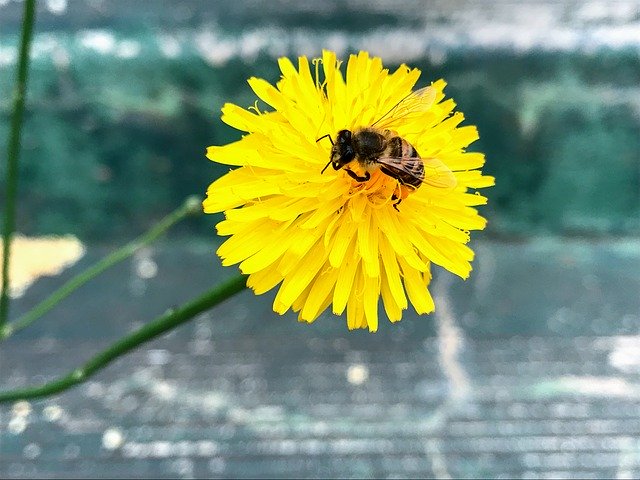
(13,152)
(190,206)
(157,327)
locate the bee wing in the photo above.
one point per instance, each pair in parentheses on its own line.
(411,106)
(427,170)
(437,174)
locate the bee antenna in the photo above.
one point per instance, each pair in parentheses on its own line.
(325,136)
(326,166)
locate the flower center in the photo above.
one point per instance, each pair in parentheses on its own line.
(378,189)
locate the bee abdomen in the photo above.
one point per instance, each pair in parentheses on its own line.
(414,173)
(397,147)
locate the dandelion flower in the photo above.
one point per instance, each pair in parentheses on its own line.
(325,238)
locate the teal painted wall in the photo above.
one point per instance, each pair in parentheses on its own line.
(122,104)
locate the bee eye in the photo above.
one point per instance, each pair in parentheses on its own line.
(344,136)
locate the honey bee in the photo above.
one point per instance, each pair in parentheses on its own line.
(377,147)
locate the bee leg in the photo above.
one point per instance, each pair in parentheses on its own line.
(357,178)
(395,205)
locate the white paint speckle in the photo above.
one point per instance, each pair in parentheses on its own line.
(61,58)
(169,46)
(216,51)
(128,49)
(21,408)
(57,7)
(165,390)
(95,390)
(112,439)
(357,374)
(32,451)
(144,265)
(17,425)
(207,448)
(100,41)
(158,356)
(161,449)
(52,413)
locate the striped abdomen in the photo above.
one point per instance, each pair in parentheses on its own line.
(402,162)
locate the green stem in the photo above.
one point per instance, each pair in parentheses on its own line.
(13,152)
(190,206)
(157,327)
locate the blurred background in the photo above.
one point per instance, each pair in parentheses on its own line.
(528,369)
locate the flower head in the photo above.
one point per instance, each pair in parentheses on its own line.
(348,235)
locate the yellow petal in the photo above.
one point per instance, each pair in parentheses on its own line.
(320,294)
(344,285)
(391,307)
(417,289)
(264,280)
(392,272)
(342,239)
(368,246)
(267,93)
(295,283)
(370,299)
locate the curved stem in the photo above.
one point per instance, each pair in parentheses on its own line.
(13,152)
(190,206)
(157,327)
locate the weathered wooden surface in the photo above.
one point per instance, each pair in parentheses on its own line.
(530,368)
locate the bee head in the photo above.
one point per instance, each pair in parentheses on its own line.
(342,151)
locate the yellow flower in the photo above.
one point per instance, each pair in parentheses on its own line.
(324,237)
